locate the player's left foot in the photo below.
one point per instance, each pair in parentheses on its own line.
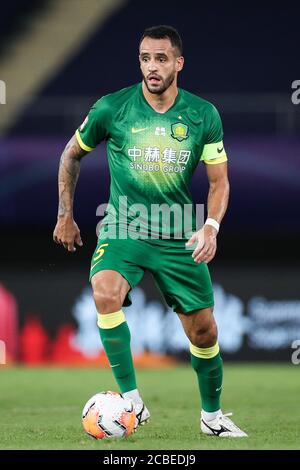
(221,426)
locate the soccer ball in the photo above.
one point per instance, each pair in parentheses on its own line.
(108,415)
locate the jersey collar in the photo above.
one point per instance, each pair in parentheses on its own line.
(150,107)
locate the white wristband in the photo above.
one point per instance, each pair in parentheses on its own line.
(213,223)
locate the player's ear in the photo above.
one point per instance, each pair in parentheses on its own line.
(179,63)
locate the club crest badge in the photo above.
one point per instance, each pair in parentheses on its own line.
(180,131)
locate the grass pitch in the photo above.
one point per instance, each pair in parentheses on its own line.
(41,408)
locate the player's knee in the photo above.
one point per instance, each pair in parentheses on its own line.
(205,337)
(107,300)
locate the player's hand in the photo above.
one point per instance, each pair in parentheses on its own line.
(206,239)
(67,233)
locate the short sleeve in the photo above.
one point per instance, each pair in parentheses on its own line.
(94,128)
(213,151)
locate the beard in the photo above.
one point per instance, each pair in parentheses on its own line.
(161,86)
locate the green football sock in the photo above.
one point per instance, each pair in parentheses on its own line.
(115,337)
(209,372)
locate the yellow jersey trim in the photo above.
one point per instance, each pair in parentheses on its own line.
(205,353)
(110,320)
(81,143)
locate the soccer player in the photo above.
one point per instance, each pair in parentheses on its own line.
(156,134)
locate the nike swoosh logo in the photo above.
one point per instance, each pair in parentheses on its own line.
(115,365)
(135,131)
(220,150)
(216,432)
(92,267)
(218,389)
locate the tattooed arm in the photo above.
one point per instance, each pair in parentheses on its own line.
(66,231)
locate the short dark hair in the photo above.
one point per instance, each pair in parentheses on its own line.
(162,32)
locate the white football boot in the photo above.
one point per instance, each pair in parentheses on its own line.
(221,426)
(142,414)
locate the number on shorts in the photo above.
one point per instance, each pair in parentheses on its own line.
(100,251)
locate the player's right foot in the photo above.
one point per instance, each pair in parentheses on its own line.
(221,426)
(142,414)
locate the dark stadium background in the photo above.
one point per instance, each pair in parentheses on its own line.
(243,57)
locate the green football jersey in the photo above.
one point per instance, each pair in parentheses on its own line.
(152,157)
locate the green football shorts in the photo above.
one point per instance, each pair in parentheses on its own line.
(184,284)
